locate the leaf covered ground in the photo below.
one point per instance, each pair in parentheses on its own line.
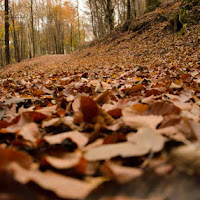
(110,112)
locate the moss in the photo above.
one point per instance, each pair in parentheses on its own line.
(191,2)
(152,4)
(182,31)
(174,21)
(189,14)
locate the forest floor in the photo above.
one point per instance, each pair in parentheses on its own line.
(122,113)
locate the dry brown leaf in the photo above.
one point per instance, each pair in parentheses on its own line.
(10,155)
(62,186)
(187,158)
(148,139)
(163,170)
(30,132)
(46,90)
(32,116)
(102,98)
(173,133)
(195,127)
(64,161)
(69,122)
(138,121)
(133,89)
(96,143)
(163,108)
(48,111)
(115,113)
(89,108)
(85,109)
(187,128)
(121,174)
(106,86)
(108,151)
(116,126)
(51,122)
(107,118)
(77,137)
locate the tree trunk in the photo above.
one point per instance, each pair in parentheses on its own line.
(110,12)
(71,38)
(15,41)
(128,9)
(92,20)
(32,31)
(79,30)
(7,25)
(1,53)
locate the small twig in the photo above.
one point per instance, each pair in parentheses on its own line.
(148,160)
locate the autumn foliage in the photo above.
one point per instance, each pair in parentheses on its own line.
(109,113)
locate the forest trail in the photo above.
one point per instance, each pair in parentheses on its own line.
(149,40)
(122,113)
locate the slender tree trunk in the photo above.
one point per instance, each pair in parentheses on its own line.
(22,40)
(16,46)
(29,45)
(92,19)
(1,53)
(133,12)
(71,36)
(98,19)
(128,9)
(7,25)
(119,12)
(110,12)
(124,10)
(32,30)
(79,31)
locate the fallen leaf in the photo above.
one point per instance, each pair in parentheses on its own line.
(79,138)
(121,174)
(86,108)
(89,109)
(64,160)
(148,139)
(138,121)
(187,158)
(62,186)
(163,108)
(11,155)
(173,133)
(48,111)
(96,143)
(1,113)
(133,89)
(108,151)
(50,122)
(30,132)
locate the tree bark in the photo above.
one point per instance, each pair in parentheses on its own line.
(110,11)
(32,31)
(7,25)
(128,9)
(15,41)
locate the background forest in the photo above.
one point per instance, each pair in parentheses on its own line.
(30,28)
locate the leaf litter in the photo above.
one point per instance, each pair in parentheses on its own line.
(72,127)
